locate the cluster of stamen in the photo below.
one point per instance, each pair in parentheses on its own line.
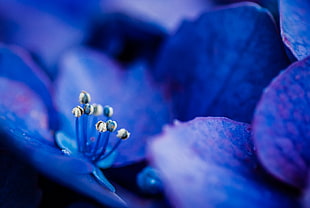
(96,148)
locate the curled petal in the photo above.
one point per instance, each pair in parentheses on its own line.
(295,26)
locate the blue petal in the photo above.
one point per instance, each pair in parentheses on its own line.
(41,28)
(166,13)
(295,26)
(281,128)
(16,64)
(107,162)
(102,179)
(211,161)
(20,109)
(66,143)
(138,105)
(19,105)
(220,64)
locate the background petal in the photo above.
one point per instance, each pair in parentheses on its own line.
(16,64)
(138,105)
(126,38)
(23,125)
(281,128)
(295,26)
(219,64)
(168,13)
(22,109)
(45,28)
(210,161)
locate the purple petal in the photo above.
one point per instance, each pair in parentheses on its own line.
(16,64)
(295,26)
(281,125)
(210,161)
(45,34)
(167,13)
(219,64)
(138,105)
(23,124)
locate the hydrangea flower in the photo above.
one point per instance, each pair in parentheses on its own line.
(25,119)
(236,60)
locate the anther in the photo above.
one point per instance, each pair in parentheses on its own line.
(123,134)
(111,125)
(88,109)
(108,111)
(98,109)
(101,126)
(84,97)
(77,111)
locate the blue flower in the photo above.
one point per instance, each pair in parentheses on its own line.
(206,68)
(28,116)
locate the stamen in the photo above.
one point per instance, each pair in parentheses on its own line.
(123,134)
(77,111)
(88,109)
(84,97)
(101,126)
(98,109)
(108,111)
(111,125)
(111,151)
(95,148)
(79,139)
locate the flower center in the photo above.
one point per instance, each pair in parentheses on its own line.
(93,135)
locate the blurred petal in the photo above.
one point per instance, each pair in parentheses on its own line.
(43,33)
(16,64)
(66,143)
(138,105)
(22,110)
(210,161)
(281,125)
(23,123)
(107,162)
(306,196)
(127,38)
(219,64)
(295,26)
(168,13)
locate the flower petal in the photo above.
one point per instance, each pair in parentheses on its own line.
(20,107)
(66,143)
(214,66)
(138,105)
(281,125)
(167,13)
(16,64)
(295,26)
(107,162)
(210,161)
(18,113)
(44,32)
